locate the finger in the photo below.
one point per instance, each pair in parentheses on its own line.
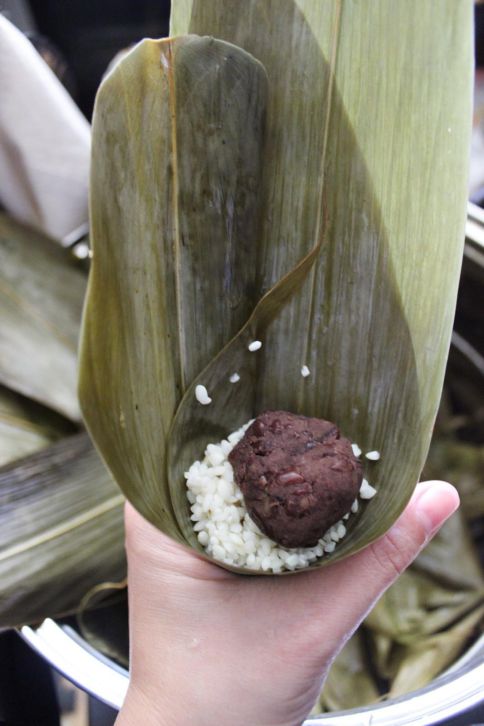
(352,586)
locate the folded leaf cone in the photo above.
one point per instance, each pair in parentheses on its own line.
(210,181)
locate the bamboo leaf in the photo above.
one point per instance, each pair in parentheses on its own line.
(381,652)
(463,465)
(451,558)
(359,116)
(435,592)
(373,321)
(26,427)
(425,659)
(349,683)
(194,427)
(417,606)
(177,139)
(41,296)
(61,531)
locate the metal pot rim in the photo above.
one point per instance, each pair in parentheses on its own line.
(72,656)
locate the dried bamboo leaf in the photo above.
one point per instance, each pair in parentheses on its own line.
(381,650)
(463,465)
(61,531)
(349,683)
(374,319)
(451,558)
(442,587)
(193,426)
(416,606)
(374,316)
(41,296)
(177,139)
(424,660)
(26,427)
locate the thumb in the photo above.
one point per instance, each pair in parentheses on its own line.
(357,582)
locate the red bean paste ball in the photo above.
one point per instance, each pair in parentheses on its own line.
(298,475)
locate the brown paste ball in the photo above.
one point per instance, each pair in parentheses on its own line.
(298,475)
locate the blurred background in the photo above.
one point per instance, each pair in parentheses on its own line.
(81,37)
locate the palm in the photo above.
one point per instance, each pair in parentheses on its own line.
(264,642)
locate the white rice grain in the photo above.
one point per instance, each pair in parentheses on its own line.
(305,372)
(203,538)
(201,394)
(255,345)
(366,490)
(373,455)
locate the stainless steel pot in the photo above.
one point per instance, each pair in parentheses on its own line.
(461,688)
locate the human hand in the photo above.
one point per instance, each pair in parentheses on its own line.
(211,647)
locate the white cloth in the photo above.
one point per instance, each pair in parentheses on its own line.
(44,141)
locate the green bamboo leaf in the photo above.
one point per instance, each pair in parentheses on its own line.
(417,606)
(195,426)
(424,660)
(26,427)
(443,585)
(451,558)
(177,138)
(350,683)
(41,295)
(359,116)
(373,321)
(380,652)
(463,465)
(61,531)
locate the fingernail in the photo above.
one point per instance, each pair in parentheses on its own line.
(435,504)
